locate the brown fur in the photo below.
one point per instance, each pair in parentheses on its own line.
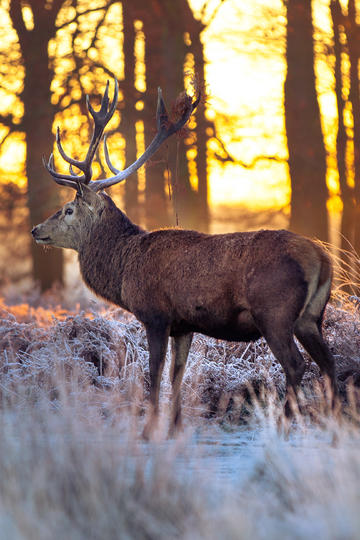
(237,286)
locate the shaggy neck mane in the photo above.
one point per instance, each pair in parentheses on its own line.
(114,220)
(103,257)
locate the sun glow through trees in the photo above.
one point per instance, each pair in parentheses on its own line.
(245,53)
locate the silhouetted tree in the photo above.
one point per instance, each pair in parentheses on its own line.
(346,39)
(353,34)
(346,191)
(43,196)
(130,97)
(307,158)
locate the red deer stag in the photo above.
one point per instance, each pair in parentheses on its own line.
(237,286)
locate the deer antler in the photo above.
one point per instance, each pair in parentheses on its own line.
(101,118)
(165,128)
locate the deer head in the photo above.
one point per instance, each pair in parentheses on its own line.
(68,227)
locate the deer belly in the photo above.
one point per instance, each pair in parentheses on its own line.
(236,326)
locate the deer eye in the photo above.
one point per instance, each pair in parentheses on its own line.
(69,211)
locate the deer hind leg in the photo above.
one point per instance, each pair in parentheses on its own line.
(157,336)
(308,332)
(284,348)
(279,335)
(180,350)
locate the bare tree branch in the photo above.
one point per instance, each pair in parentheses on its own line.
(6,120)
(5,139)
(252,163)
(85,12)
(213,15)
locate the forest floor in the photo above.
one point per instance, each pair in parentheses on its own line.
(73,399)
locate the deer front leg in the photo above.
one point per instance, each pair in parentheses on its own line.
(180,350)
(157,336)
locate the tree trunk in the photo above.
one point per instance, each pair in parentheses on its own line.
(129,113)
(43,193)
(307,159)
(347,195)
(156,205)
(201,135)
(347,221)
(353,34)
(175,51)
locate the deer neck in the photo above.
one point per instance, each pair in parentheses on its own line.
(104,254)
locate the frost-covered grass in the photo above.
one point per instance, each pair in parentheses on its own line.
(73,389)
(68,472)
(106,352)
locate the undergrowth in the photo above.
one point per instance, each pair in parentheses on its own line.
(106,352)
(73,392)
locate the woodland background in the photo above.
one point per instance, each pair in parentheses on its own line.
(53,52)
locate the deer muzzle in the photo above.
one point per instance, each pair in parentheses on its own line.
(39,237)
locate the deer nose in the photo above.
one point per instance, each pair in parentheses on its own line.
(33,232)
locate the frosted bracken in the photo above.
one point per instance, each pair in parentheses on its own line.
(109,350)
(73,389)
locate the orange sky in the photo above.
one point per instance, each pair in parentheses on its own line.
(245,77)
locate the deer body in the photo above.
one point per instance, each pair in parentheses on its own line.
(237,286)
(212,284)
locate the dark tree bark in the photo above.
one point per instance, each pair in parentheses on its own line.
(129,119)
(353,34)
(347,193)
(201,135)
(156,205)
(307,159)
(43,194)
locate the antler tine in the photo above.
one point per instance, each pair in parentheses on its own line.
(63,154)
(104,103)
(161,112)
(101,118)
(107,158)
(165,129)
(73,173)
(61,179)
(105,111)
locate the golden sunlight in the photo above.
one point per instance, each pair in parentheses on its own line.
(245,77)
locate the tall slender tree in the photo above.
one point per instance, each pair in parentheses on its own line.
(346,191)
(128,125)
(346,38)
(307,157)
(43,197)
(353,34)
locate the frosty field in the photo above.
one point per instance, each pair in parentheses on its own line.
(73,389)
